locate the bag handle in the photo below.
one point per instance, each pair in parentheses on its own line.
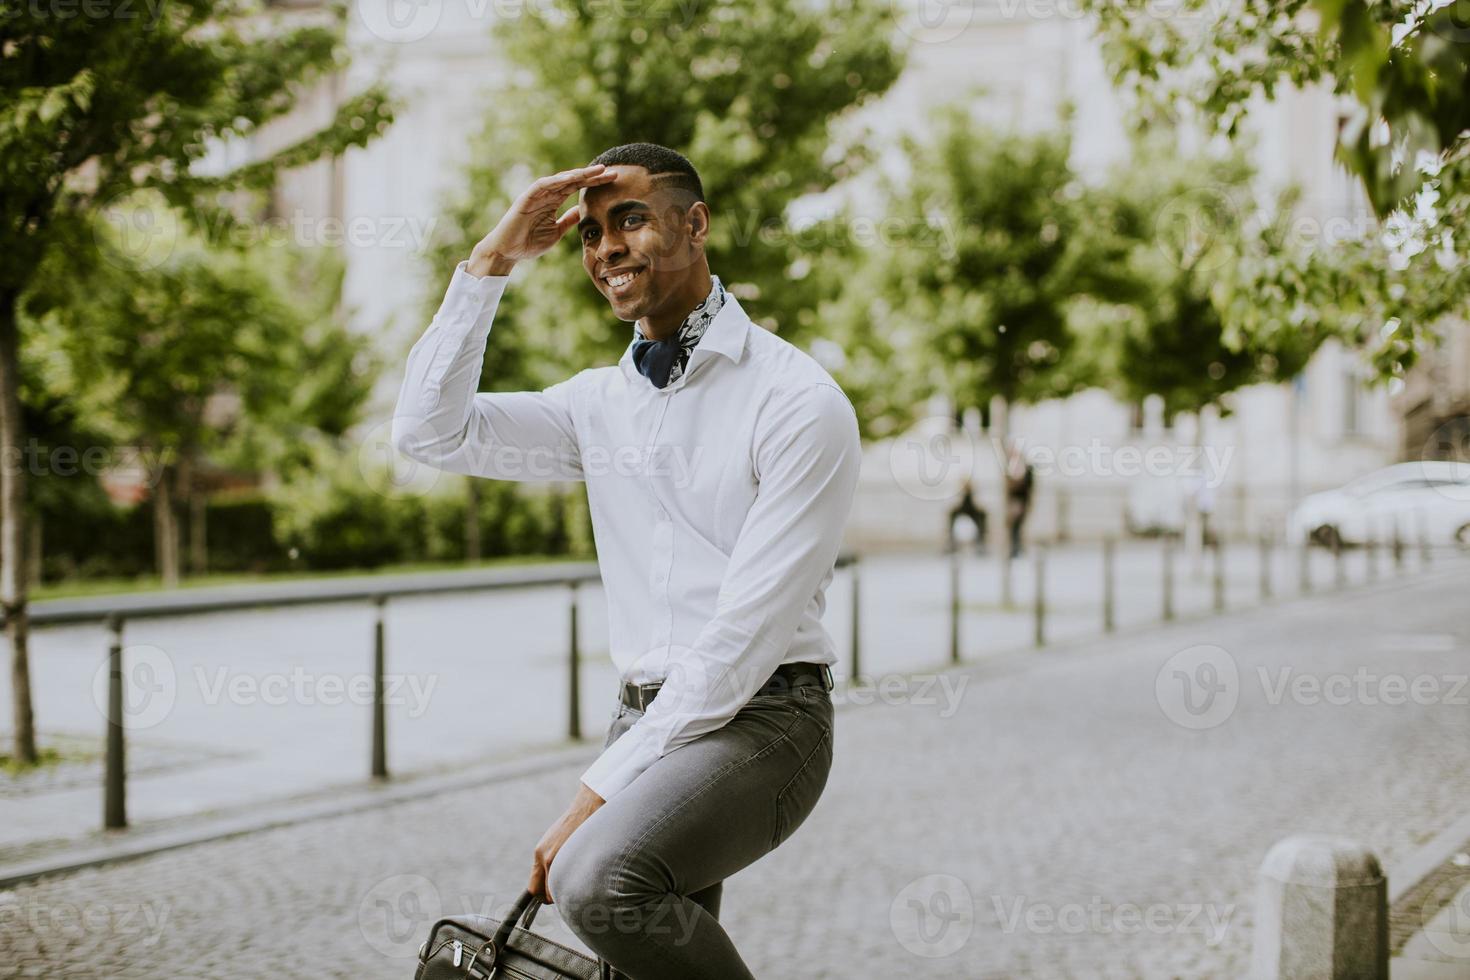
(525,910)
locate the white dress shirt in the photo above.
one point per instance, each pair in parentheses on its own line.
(718,502)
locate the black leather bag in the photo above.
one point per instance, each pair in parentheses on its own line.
(478,947)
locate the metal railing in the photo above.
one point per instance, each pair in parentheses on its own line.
(114,612)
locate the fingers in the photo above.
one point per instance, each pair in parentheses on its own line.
(558,186)
(537,885)
(568,221)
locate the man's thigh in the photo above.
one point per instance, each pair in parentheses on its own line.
(713,805)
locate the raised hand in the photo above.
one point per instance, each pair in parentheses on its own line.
(530,227)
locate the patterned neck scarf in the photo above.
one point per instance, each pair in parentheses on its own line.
(663,361)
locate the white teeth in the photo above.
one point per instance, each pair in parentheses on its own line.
(623,279)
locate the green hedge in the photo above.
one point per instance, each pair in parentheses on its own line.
(328,526)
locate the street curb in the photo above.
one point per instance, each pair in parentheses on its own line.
(129,845)
(1428,859)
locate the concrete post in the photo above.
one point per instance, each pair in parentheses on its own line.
(1321,912)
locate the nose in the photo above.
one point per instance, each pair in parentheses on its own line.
(609,250)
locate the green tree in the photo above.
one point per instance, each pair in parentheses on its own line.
(1407,66)
(750,90)
(1179,230)
(211,354)
(121,97)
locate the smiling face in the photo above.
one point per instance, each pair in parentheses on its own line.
(643,246)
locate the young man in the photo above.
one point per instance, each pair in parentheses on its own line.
(720,464)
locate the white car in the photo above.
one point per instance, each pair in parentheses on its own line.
(1430,498)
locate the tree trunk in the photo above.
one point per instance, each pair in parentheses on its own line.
(165,529)
(33,549)
(472,520)
(12,526)
(198,517)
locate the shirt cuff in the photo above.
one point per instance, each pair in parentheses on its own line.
(620,763)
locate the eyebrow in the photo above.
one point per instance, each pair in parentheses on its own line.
(622,207)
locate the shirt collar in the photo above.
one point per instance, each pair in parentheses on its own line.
(725,335)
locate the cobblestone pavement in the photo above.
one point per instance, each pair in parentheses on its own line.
(1094,811)
(277,699)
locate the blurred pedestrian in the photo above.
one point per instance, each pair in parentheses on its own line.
(968,508)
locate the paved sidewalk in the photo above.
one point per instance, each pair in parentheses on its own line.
(1096,810)
(235,710)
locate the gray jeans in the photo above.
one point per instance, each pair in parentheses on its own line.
(639,882)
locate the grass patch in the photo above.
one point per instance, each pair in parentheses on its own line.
(151,583)
(12,766)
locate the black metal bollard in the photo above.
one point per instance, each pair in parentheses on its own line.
(114,797)
(380,721)
(1371,544)
(1339,572)
(856,625)
(1219,575)
(1398,547)
(1265,566)
(954,606)
(1038,604)
(1168,556)
(574,671)
(1109,594)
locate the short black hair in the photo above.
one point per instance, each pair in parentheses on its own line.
(668,165)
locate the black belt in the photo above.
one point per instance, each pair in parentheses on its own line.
(787,676)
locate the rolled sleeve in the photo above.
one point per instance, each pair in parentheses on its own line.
(807,457)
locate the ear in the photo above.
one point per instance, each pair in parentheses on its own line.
(696,220)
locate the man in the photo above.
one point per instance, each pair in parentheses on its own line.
(967,508)
(1020,481)
(720,464)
